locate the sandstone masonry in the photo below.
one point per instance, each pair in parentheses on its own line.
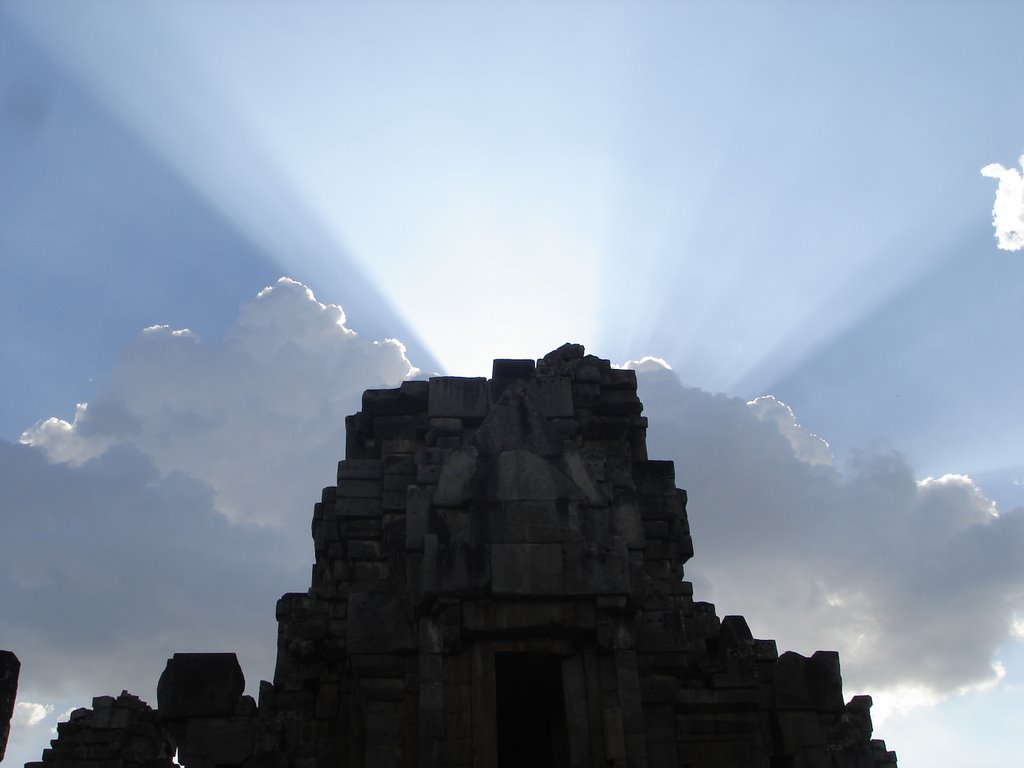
(498,582)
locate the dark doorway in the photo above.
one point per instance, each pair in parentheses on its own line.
(530,711)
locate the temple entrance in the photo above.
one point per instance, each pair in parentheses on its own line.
(530,711)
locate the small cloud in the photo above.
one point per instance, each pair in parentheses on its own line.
(63,440)
(646,363)
(1008,210)
(27,713)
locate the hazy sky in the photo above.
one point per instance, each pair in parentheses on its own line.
(789,199)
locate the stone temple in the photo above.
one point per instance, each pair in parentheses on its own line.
(497,583)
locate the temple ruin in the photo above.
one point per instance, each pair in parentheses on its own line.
(497,583)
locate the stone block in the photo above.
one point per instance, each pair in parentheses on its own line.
(200,685)
(626,518)
(797,730)
(382,689)
(417,510)
(454,525)
(358,507)
(553,397)
(563,356)
(398,446)
(515,423)
(360,528)
(580,473)
(222,741)
(812,684)
(428,474)
(527,569)
(380,622)
(360,469)
(453,568)
(359,489)
(455,485)
(363,571)
(618,378)
(614,735)
(655,477)
(395,427)
(659,631)
(532,522)
(593,568)
(409,398)
(526,476)
(565,616)
(459,398)
(618,402)
(509,373)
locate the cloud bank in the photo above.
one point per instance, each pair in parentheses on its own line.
(915,582)
(171,512)
(1008,210)
(273,393)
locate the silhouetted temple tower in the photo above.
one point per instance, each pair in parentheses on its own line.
(498,582)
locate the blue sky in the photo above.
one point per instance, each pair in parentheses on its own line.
(778,199)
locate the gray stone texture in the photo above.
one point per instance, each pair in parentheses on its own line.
(498,580)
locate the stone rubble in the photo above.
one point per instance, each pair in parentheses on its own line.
(497,582)
(116,733)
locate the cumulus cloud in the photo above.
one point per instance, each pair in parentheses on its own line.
(172,511)
(1008,210)
(27,714)
(646,363)
(273,393)
(915,582)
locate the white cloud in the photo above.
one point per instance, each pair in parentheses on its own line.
(646,363)
(914,582)
(27,714)
(273,394)
(1008,210)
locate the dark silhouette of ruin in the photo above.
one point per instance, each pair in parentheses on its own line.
(9,668)
(497,583)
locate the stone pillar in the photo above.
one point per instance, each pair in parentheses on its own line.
(9,669)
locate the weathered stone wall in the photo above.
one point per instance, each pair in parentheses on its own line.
(498,582)
(9,669)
